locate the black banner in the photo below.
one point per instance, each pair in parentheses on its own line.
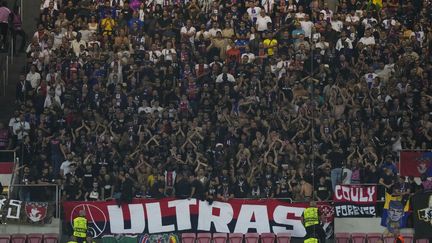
(422,209)
(18,212)
(348,210)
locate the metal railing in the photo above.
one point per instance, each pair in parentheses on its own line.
(9,156)
(50,193)
(4,66)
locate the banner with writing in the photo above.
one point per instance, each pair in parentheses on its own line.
(422,210)
(18,212)
(152,216)
(355,200)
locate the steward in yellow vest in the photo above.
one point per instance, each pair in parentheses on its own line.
(311,221)
(311,240)
(80,227)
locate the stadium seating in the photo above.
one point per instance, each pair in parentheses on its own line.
(235,238)
(188,237)
(251,238)
(18,238)
(342,237)
(358,238)
(374,237)
(220,237)
(4,238)
(203,238)
(34,238)
(51,238)
(409,238)
(267,238)
(388,239)
(422,241)
(283,237)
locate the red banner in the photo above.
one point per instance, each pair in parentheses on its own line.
(355,200)
(182,215)
(415,163)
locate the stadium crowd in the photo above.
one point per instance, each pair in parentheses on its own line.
(223,99)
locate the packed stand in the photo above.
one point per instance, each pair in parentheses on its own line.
(222,99)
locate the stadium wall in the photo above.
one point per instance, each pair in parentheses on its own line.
(51,228)
(362,225)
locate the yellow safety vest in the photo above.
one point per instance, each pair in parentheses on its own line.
(311,240)
(80,227)
(310,217)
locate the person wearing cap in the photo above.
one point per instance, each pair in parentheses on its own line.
(80,227)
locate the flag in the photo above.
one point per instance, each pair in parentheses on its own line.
(415,163)
(377,3)
(395,213)
(422,209)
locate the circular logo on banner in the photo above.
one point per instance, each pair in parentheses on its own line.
(96,218)
(327,212)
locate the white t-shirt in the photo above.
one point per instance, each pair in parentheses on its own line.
(34,79)
(307,27)
(65,167)
(250,55)
(146,109)
(262,23)
(213,31)
(49,101)
(337,25)
(367,40)
(370,77)
(154,55)
(367,22)
(205,34)
(253,12)
(75,45)
(339,44)
(230,78)
(352,19)
(21,129)
(168,54)
(191,30)
(45,4)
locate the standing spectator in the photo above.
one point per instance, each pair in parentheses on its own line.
(323,190)
(4,24)
(21,128)
(5,138)
(17,30)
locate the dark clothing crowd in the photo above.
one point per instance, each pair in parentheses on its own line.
(219,99)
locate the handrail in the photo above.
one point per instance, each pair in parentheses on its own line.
(7,150)
(12,180)
(57,194)
(3,75)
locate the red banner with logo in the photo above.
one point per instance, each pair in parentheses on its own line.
(355,200)
(183,215)
(415,163)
